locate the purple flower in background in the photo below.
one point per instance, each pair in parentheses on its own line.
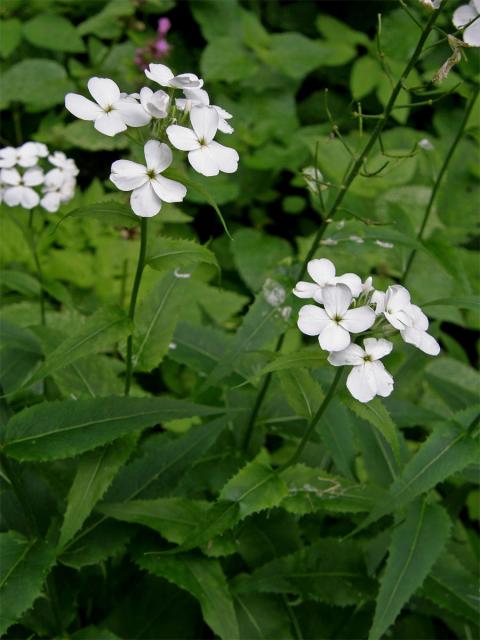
(164,25)
(156,49)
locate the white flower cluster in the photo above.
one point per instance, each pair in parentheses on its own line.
(113,112)
(466,17)
(21,170)
(350,306)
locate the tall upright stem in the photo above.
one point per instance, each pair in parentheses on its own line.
(133,300)
(439,179)
(349,178)
(314,421)
(38,266)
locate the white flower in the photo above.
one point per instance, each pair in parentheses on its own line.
(66,165)
(464,15)
(368,377)
(26,155)
(161,74)
(409,319)
(431,4)
(322,271)
(314,179)
(336,321)
(156,103)
(426,145)
(367,286)
(199,98)
(148,187)
(384,245)
(111,113)
(205,155)
(19,190)
(55,195)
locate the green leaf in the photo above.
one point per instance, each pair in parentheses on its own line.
(328,571)
(156,319)
(21,282)
(307,358)
(95,472)
(52,31)
(200,348)
(105,24)
(462,302)
(10,36)
(301,391)
(24,567)
(112,213)
(365,75)
(416,544)
(261,616)
(227,60)
(54,430)
(14,337)
(37,82)
(96,544)
(100,331)
(204,579)
(377,415)
(170,253)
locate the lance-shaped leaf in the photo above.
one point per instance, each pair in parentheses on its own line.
(170,253)
(100,331)
(205,580)
(262,616)
(303,358)
(113,213)
(415,546)
(54,430)
(377,415)
(25,565)
(95,472)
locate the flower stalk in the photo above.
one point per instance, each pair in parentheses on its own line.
(133,301)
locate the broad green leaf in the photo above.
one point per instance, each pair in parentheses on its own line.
(364,77)
(377,415)
(15,337)
(261,616)
(95,472)
(54,430)
(24,568)
(170,253)
(462,302)
(156,319)
(227,60)
(416,545)
(112,213)
(205,580)
(10,36)
(21,282)
(100,331)
(219,304)
(302,392)
(328,571)
(37,82)
(16,365)
(306,358)
(52,31)
(94,633)
(337,431)
(96,544)
(105,23)
(82,135)
(451,586)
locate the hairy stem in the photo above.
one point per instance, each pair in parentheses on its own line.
(133,301)
(33,247)
(352,173)
(439,179)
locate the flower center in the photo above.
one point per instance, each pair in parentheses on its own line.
(367,358)
(108,108)
(336,318)
(151,173)
(202,142)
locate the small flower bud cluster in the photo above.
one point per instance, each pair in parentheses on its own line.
(21,171)
(113,112)
(352,307)
(156,49)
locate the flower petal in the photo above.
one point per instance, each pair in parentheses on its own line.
(379,378)
(133,114)
(305,289)
(359,385)
(422,340)
(145,202)
(397,298)
(353,282)
(378,299)
(471,35)
(358,320)
(110,123)
(8,157)
(463,15)
(159,73)
(186,81)
(322,271)
(419,319)
(204,122)
(168,190)
(203,161)
(182,138)
(377,349)
(82,107)
(226,157)
(336,299)
(33,177)
(51,201)
(224,127)
(104,91)
(11,176)
(158,155)
(334,337)
(127,175)
(13,196)
(312,320)
(352,355)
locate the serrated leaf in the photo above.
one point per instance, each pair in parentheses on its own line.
(205,580)
(416,544)
(200,348)
(170,253)
(261,616)
(54,430)
(302,392)
(95,545)
(95,472)
(302,358)
(377,415)
(328,571)
(100,331)
(14,337)
(24,567)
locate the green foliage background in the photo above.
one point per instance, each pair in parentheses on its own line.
(116,527)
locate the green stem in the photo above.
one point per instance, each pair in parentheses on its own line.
(350,177)
(439,179)
(314,421)
(33,248)
(133,301)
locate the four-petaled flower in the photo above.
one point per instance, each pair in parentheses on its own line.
(336,321)
(111,112)
(368,377)
(25,156)
(148,187)
(156,103)
(19,190)
(163,76)
(468,16)
(322,271)
(205,155)
(199,98)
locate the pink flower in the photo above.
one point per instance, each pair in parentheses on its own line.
(164,25)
